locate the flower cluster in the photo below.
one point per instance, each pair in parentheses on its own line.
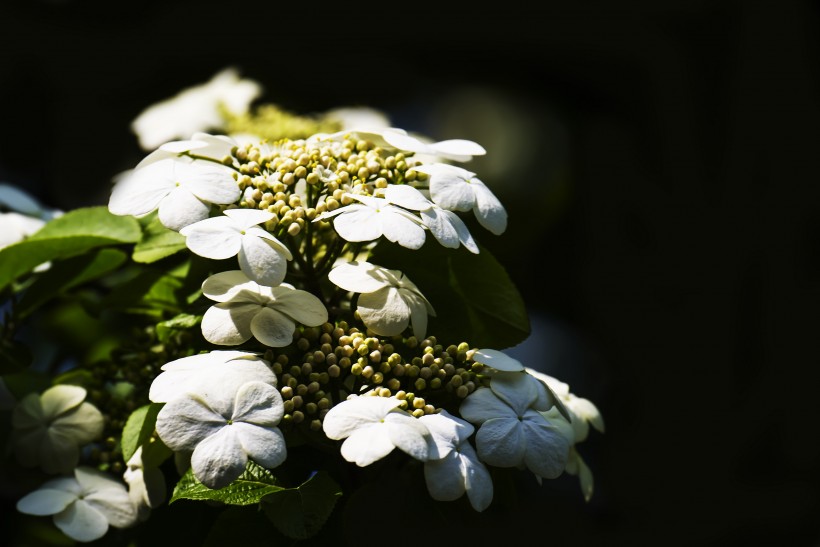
(297,329)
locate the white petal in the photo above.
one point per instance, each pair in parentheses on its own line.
(186,421)
(400,227)
(482,405)
(547,449)
(58,453)
(488,210)
(223,286)
(261,261)
(264,445)
(367,445)
(275,243)
(258,403)
(408,434)
(300,305)
(115,504)
(441,226)
(458,147)
(46,501)
(348,416)
(463,232)
(181,208)
(418,312)
(450,190)
(360,277)
(498,360)
(140,191)
(245,218)
(210,182)
(359,224)
(444,478)
(216,238)
(228,323)
(446,432)
(516,389)
(501,442)
(83,424)
(272,328)
(407,196)
(384,312)
(81,522)
(60,398)
(219,460)
(479,483)
(29,412)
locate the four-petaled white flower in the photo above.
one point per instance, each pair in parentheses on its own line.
(195,109)
(49,429)
(84,506)
(457,189)
(445,225)
(388,300)
(262,257)
(215,147)
(512,433)
(247,309)
(224,430)
(453,467)
(373,218)
(451,149)
(146,485)
(183,191)
(202,373)
(372,427)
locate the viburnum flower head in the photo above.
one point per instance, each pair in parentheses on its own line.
(388,300)
(247,309)
(224,429)
(146,485)
(262,257)
(181,189)
(373,218)
(457,189)
(512,432)
(49,429)
(453,467)
(372,427)
(84,505)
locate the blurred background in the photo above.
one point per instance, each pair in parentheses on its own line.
(659,164)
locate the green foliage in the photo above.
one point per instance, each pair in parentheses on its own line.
(479,304)
(157,242)
(254,484)
(183,321)
(139,428)
(72,234)
(301,512)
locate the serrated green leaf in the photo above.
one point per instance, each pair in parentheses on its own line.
(71,234)
(138,428)
(253,484)
(65,274)
(300,513)
(157,242)
(181,322)
(479,304)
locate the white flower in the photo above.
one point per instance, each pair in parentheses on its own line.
(146,486)
(372,427)
(453,149)
(445,225)
(215,147)
(247,309)
(375,217)
(388,300)
(457,189)
(454,467)
(262,257)
(498,360)
(224,429)
(583,412)
(84,506)
(511,432)
(49,429)
(15,227)
(195,109)
(216,370)
(182,190)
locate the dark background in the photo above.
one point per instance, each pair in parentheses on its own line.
(659,162)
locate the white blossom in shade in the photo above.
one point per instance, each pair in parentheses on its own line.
(83,505)
(372,427)
(183,191)
(453,467)
(146,485)
(262,257)
(446,226)
(49,429)
(511,432)
(247,309)
(457,189)
(582,412)
(15,227)
(373,218)
(388,301)
(224,430)
(452,149)
(576,465)
(194,109)
(202,373)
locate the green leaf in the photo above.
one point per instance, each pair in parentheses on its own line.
(479,304)
(151,292)
(139,428)
(300,513)
(65,274)
(181,322)
(71,234)
(157,242)
(252,485)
